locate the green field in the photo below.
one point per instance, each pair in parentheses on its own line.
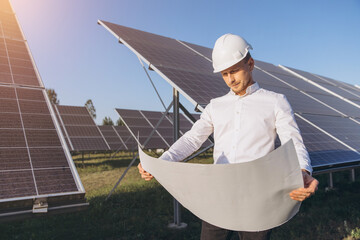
(142,210)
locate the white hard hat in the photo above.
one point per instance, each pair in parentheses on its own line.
(228,50)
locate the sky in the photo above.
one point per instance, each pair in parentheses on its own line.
(81,60)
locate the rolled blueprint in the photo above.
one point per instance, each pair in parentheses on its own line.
(250,196)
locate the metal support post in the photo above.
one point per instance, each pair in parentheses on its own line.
(352,175)
(177,224)
(331,183)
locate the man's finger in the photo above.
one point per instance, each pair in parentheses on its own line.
(147,178)
(301,194)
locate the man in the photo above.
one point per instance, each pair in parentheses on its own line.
(245,123)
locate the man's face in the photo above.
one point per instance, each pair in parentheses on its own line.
(238,77)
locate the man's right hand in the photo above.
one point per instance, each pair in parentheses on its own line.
(144,174)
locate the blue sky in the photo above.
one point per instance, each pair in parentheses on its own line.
(81,60)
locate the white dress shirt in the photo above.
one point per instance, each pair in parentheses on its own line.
(244,128)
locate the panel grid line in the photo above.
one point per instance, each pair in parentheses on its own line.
(158,124)
(194,51)
(7,53)
(122,141)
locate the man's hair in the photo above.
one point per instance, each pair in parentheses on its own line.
(247,57)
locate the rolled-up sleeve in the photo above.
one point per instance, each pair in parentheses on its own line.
(192,139)
(287,128)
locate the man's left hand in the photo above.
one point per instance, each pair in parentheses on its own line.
(310,186)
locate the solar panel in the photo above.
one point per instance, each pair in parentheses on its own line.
(264,78)
(128,139)
(300,102)
(342,107)
(165,129)
(298,83)
(187,67)
(327,83)
(323,149)
(353,89)
(16,65)
(141,128)
(35,163)
(5,6)
(80,129)
(206,52)
(113,138)
(342,128)
(9,26)
(182,68)
(141,123)
(185,123)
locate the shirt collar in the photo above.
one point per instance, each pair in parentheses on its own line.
(249,90)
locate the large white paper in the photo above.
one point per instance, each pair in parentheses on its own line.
(250,196)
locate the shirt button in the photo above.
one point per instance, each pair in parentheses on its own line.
(237,112)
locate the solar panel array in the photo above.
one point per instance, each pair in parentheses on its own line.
(82,134)
(142,123)
(34,160)
(328,124)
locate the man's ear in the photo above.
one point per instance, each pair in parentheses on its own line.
(251,63)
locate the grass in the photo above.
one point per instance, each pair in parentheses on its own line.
(142,210)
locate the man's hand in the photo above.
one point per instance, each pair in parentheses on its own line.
(310,186)
(144,174)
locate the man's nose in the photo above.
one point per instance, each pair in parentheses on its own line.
(231,78)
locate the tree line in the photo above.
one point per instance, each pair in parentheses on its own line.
(52,95)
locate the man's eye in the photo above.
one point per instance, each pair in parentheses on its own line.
(234,71)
